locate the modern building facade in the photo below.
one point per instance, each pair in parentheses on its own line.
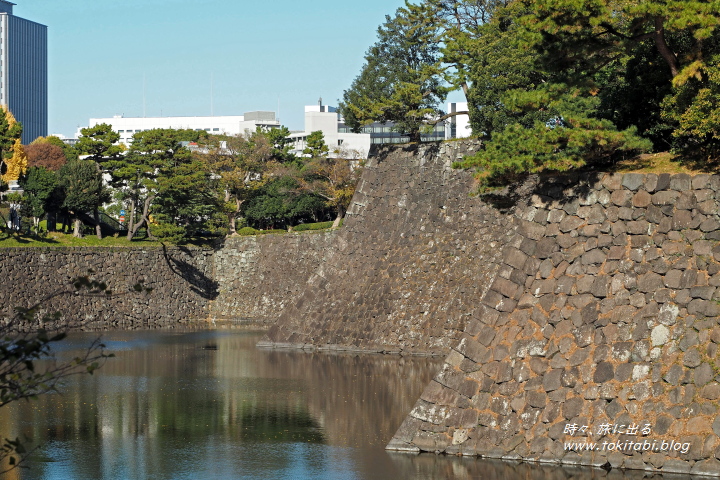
(454,127)
(219,125)
(325,119)
(23,71)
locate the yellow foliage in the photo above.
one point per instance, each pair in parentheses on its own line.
(694,70)
(17,165)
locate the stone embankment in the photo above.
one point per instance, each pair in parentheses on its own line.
(248,280)
(258,276)
(415,253)
(597,341)
(180,279)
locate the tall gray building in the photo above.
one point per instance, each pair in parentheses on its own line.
(23,71)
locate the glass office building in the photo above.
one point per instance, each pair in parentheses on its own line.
(23,71)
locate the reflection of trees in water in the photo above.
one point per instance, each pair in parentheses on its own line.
(167,405)
(166,392)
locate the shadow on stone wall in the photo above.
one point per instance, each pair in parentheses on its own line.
(198,281)
(547,187)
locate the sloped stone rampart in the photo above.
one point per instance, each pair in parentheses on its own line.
(415,254)
(258,276)
(612,337)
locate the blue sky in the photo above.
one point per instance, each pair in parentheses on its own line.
(253,53)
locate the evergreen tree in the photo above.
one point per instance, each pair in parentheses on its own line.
(315,145)
(38,186)
(83,186)
(401,81)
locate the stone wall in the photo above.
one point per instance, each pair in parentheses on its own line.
(415,253)
(601,326)
(259,275)
(180,280)
(249,279)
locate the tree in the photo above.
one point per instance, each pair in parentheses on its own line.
(400,81)
(460,25)
(316,146)
(157,168)
(279,139)
(17,164)
(68,150)
(99,143)
(83,186)
(38,185)
(282,202)
(568,136)
(494,59)
(241,166)
(577,39)
(333,179)
(578,36)
(10,132)
(45,154)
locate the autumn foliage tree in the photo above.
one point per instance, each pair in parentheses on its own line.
(333,178)
(13,161)
(43,154)
(241,164)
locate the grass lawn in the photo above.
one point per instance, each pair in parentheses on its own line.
(664,162)
(57,239)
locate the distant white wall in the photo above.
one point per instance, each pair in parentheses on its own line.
(327,122)
(227,125)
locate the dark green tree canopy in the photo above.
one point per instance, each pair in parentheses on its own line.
(99,142)
(401,81)
(315,145)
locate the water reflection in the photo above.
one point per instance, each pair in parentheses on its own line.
(208,404)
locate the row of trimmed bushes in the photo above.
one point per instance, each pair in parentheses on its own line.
(300,228)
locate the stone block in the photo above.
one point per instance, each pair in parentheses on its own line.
(680,182)
(531,230)
(593,257)
(604,371)
(681,220)
(552,380)
(572,407)
(506,288)
(514,257)
(570,223)
(651,180)
(665,198)
(649,282)
(633,181)
(621,198)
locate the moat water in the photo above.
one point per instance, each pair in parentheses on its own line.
(210,405)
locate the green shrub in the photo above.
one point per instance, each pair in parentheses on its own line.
(312,226)
(247,231)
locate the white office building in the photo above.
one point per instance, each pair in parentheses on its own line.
(218,125)
(326,119)
(457,126)
(23,71)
